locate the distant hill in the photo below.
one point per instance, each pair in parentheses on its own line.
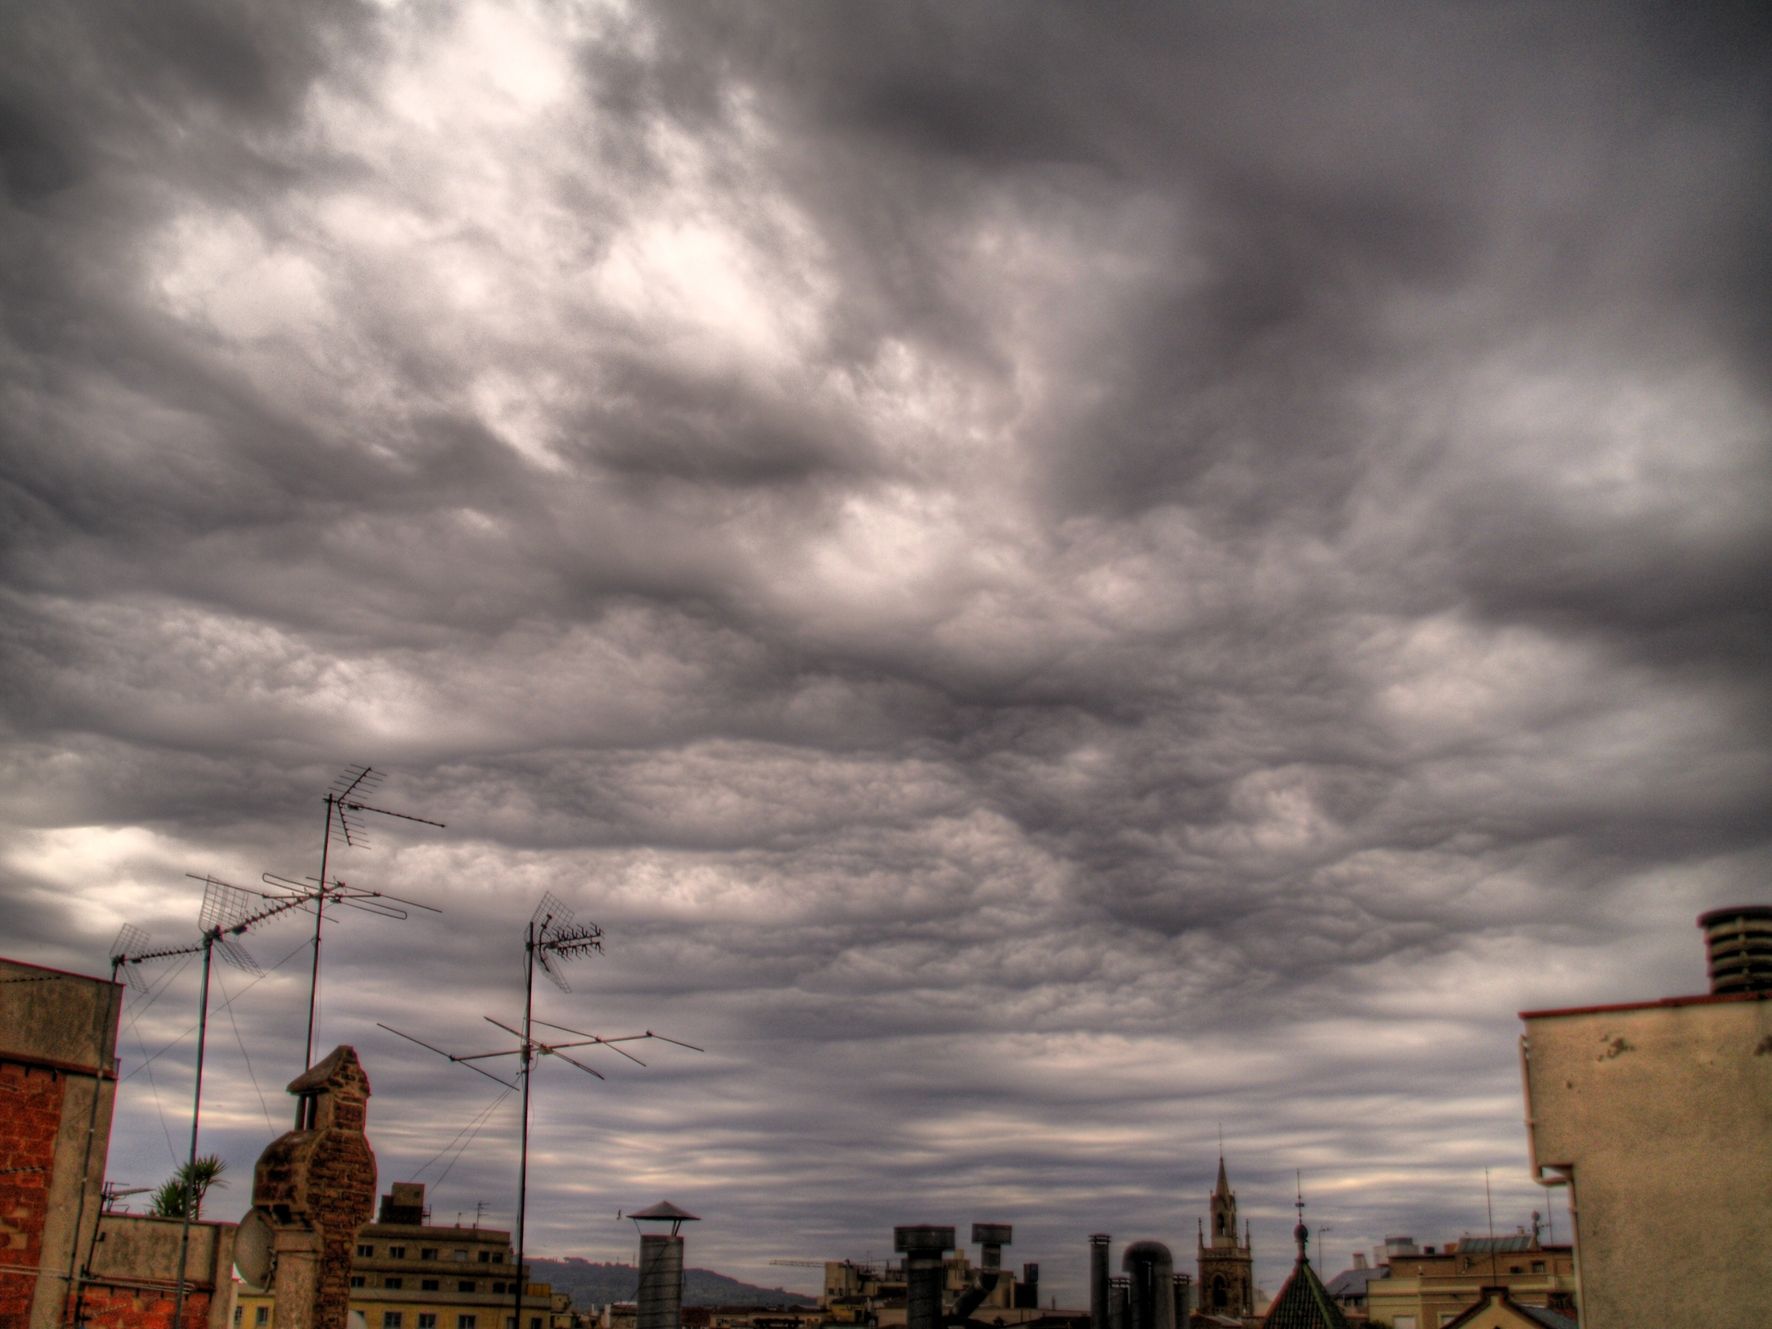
(591,1284)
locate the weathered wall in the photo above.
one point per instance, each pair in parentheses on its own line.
(1662,1115)
(30,1119)
(57,1056)
(135,1273)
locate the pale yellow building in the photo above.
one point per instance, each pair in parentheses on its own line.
(1431,1288)
(409,1274)
(1658,1117)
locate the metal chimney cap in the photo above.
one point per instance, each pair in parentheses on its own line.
(664,1212)
(923,1238)
(1710,918)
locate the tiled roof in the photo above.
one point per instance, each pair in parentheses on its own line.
(1496,1298)
(1304,1303)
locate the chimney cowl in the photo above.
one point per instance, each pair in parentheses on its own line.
(1738,948)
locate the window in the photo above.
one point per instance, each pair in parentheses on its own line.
(262,1315)
(427,1320)
(396,1252)
(364,1248)
(427,1252)
(1538,1266)
(1403,1322)
(356,1280)
(485,1257)
(498,1287)
(428,1285)
(392,1319)
(458,1255)
(393,1280)
(239,1311)
(535,1322)
(466,1321)
(467,1285)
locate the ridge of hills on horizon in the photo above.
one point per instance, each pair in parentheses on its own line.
(590,1283)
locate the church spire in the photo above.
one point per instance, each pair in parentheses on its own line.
(1301,1234)
(1303,1302)
(1226,1281)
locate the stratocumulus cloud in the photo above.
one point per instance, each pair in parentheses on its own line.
(1056,579)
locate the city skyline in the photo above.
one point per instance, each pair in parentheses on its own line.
(1057,579)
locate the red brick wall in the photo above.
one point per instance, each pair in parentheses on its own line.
(130,1308)
(30,1116)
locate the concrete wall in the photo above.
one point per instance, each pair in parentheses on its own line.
(1661,1116)
(57,1085)
(135,1271)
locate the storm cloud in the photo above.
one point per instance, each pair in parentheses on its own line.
(1057,578)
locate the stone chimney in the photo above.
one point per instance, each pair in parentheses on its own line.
(315,1186)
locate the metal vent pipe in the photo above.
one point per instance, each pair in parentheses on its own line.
(1184,1298)
(1027,1296)
(661,1282)
(1098,1280)
(924,1247)
(1119,1302)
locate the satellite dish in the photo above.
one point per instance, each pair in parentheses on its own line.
(255,1249)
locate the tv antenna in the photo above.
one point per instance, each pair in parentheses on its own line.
(550,939)
(111,1194)
(345,807)
(227,913)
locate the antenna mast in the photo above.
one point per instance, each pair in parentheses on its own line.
(226,914)
(550,938)
(343,802)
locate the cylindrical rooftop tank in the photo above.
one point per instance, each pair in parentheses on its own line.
(1738,946)
(1150,1275)
(661,1282)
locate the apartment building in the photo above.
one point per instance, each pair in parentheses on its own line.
(411,1274)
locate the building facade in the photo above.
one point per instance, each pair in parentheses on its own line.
(62,1259)
(1429,1288)
(410,1274)
(1658,1117)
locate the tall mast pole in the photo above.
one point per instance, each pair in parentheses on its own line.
(319,917)
(342,801)
(190,1196)
(528,1061)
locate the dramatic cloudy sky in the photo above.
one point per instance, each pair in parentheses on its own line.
(1055,576)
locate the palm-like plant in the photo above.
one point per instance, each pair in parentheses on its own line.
(181,1194)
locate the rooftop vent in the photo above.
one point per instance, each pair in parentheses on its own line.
(1738,945)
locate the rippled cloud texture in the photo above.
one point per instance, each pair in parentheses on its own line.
(1055,576)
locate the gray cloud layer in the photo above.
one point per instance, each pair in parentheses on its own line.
(1054,578)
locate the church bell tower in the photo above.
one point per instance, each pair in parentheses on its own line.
(1227,1268)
